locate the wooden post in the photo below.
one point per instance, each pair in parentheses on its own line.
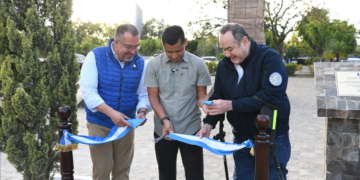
(262,147)
(66,162)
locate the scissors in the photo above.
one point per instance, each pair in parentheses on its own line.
(159,138)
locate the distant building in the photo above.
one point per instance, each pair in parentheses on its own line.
(138,21)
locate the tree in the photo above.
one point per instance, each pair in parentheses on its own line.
(314,31)
(153,29)
(149,47)
(208,47)
(292,52)
(342,39)
(192,46)
(269,38)
(208,25)
(88,44)
(279,17)
(34,90)
(357,51)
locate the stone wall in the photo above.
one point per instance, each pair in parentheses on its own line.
(342,127)
(250,14)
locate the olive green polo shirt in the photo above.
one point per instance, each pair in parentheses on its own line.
(177,82)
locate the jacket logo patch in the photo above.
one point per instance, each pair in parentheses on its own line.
(275,79)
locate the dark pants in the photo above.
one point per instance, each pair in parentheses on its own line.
(192,158)
(245,163)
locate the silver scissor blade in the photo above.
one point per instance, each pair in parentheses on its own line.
(159,138)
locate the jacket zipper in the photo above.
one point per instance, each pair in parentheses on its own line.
(121,74)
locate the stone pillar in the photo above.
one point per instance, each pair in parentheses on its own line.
(342,122)
(250,14)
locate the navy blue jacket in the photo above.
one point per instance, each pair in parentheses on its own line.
(258,67)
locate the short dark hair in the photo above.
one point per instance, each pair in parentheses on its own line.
(237,31)
(172,35)
(121,29)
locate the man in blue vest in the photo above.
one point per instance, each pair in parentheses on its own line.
(111,82)
(250,76)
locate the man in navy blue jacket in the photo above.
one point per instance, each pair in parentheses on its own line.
(249,69)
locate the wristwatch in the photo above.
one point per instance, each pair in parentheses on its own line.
(162,119)
(141,110)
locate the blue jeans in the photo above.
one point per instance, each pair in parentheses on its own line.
(245,162)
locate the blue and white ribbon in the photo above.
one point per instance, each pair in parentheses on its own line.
(214,146)
(68,141)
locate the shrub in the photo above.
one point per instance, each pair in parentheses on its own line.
(308,61)
(312,69)
(300,68)
(291,68)
(211,67)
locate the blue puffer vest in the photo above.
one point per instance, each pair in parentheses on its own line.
(117,86)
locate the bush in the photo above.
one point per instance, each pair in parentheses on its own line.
(308,61)
(312,69)
(211,67)
(300,68)
(291,68)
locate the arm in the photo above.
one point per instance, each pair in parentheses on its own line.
(89,85)
(201,94)
(268,92)
(213,119)
(159,109)
(117,117)
(143,103)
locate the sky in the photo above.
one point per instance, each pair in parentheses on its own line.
(180,12)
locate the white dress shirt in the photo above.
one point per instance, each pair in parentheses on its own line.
(240,71)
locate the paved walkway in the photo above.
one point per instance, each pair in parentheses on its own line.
(306,136)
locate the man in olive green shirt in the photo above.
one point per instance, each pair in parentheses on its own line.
(177,82)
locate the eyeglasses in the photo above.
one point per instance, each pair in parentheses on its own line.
(128,47)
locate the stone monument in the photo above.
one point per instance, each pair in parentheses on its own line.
(338,100)
(250,14)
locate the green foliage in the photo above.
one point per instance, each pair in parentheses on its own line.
(292,52)
(326,39)
(91,35)
(299,67)
(88,44)
(192,46)
(34,90)
(342,41)
(309,61)
(312,69)
(278,18)
(291,68)
(211,67)
(220,56)
(149,47)
(153,29)
(314,31)
(208,47)
(269,38)
(357,51)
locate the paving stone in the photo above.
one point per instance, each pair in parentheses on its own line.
(306,136)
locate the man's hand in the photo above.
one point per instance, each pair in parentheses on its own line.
(168,127)
(219,107)
(141,116)
(119,118)
(204,131)
(205,108)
